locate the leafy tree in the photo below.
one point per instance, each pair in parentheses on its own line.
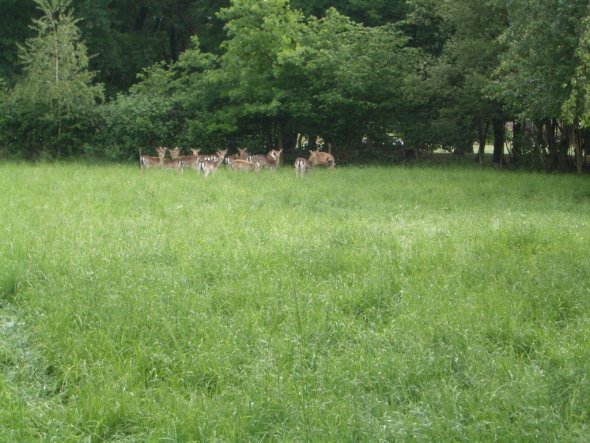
(425,27)
(197,84)
(260,35)
(14,28)
(462,73)
(52,107)
(576,109)
(127,36)
(353,77)
(447,95)
(427,32)
(367,12)
(177,104)
(280,75)
(541,40)
(136,122)
(329,76)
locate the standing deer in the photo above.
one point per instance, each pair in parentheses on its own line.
(244,165)
(211,164)
(243,154)
(196,160)
(147,161)
(318,158)
(302,166)
(172,163)
(174,153)
(258,158)
(273,158)
(230,158)
(188,161)
(270,160)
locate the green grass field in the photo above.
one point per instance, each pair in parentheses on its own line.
(360,304)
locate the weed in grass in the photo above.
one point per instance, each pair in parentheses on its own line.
(9,286)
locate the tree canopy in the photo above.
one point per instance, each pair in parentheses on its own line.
(357,75)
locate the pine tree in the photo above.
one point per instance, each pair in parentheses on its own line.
(57,92)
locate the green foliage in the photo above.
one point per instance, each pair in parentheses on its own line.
(357,73)
(367,12)
(128,36)
(354,75)
(53,105)
(14,23)
(280,74)
(449,97)
(425,26)
(577,107)
(539,59)
(135,122)
(257,86)
(171,106)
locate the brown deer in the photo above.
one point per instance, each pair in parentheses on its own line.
(318,158)
(243,153)
(172,164)
(230,158)
(147,161)
(272,158)
(302,166)
(210,164)
(188,161)
(258,158)
(244,165)
(174,153)
(198,158)
(169,163)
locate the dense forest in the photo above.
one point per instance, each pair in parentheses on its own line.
(98,78)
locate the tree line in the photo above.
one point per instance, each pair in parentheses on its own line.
(101,78)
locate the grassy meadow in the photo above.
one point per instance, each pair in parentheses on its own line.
(360,304)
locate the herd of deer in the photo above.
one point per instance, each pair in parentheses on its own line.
(242,161)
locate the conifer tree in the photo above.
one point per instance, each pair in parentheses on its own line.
(57,95)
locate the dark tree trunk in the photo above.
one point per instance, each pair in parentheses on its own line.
(279,130)
(578,146)
(288,143)
(499,137)
(517,141)
(463,148)
(468,147)
(585,134)
(141,17)
(285,139)
(173,43)
(312,142)
(550,127)
(564,147)
(540,143)
(482,135)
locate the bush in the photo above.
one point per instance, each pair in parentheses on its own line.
(133,122)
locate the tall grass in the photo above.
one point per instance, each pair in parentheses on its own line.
(360,304)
